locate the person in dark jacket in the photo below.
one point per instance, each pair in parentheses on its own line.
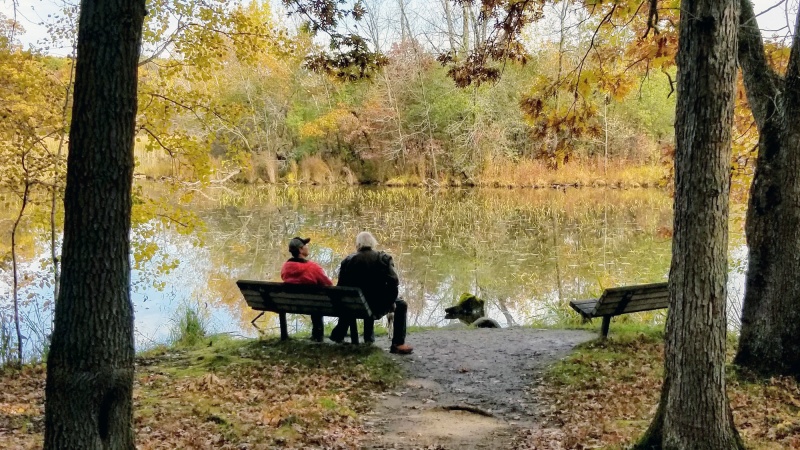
(299,270)
(373,272)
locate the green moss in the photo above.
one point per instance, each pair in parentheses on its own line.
(286,433)
(221,352)
(328,403)
(417,329)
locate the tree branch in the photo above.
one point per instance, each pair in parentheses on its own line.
(760,80)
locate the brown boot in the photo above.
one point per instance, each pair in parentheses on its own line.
(401,349)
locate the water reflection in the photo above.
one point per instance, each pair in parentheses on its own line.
(526,252)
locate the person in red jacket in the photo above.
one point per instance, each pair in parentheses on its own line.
(300,270)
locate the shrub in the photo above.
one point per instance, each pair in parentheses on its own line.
(190,326)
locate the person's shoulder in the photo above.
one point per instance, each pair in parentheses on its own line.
(348,258)
(385,257)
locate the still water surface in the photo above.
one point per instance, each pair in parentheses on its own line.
(526,252)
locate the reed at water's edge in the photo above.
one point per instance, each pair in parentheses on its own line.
(500,172)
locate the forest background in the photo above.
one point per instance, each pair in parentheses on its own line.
(229,92)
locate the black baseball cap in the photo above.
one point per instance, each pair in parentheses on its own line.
(296,244)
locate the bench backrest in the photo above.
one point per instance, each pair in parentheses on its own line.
(628,299)
(332,301)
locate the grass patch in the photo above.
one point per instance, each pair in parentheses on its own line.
(605,394)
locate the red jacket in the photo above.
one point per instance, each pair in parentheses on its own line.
(301,271)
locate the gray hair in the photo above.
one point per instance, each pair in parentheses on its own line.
(365,239)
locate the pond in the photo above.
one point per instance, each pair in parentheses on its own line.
(527,252)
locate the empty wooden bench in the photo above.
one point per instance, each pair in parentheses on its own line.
(623,300)
(286,298)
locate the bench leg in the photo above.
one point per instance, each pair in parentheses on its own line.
(284,327)
(354,331)
(253,322)
(605,326)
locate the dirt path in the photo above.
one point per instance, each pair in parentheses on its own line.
(466,388)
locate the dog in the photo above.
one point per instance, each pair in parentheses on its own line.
(470,310)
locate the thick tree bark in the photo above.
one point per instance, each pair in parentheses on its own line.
(694,412)
(91,361)
(770,336)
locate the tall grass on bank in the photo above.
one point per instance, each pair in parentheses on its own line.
(154,164)
(7,341)
(535,173)
(190,327)
(313,169)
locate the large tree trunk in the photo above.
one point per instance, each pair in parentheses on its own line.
(694,412)
(770,335)
(90,365)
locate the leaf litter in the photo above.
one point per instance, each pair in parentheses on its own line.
(270,394)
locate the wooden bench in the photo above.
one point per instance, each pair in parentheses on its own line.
(286,298)
(623,300)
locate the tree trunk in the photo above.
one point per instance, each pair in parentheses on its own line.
(465,29)
(405,28)
(56,175)
(694,412)
(14,268)
(90,365)
(451,32)
(770,336)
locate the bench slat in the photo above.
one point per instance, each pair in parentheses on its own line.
(309,310)
(306,309)
(643,308)
(283,298)
(281,303)
(322,296)
(280,299)
(634,296)
(636,288)
(633,305)
(584,307)
(276,287)
(311,302)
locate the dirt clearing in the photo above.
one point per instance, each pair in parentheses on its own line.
(466,388)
